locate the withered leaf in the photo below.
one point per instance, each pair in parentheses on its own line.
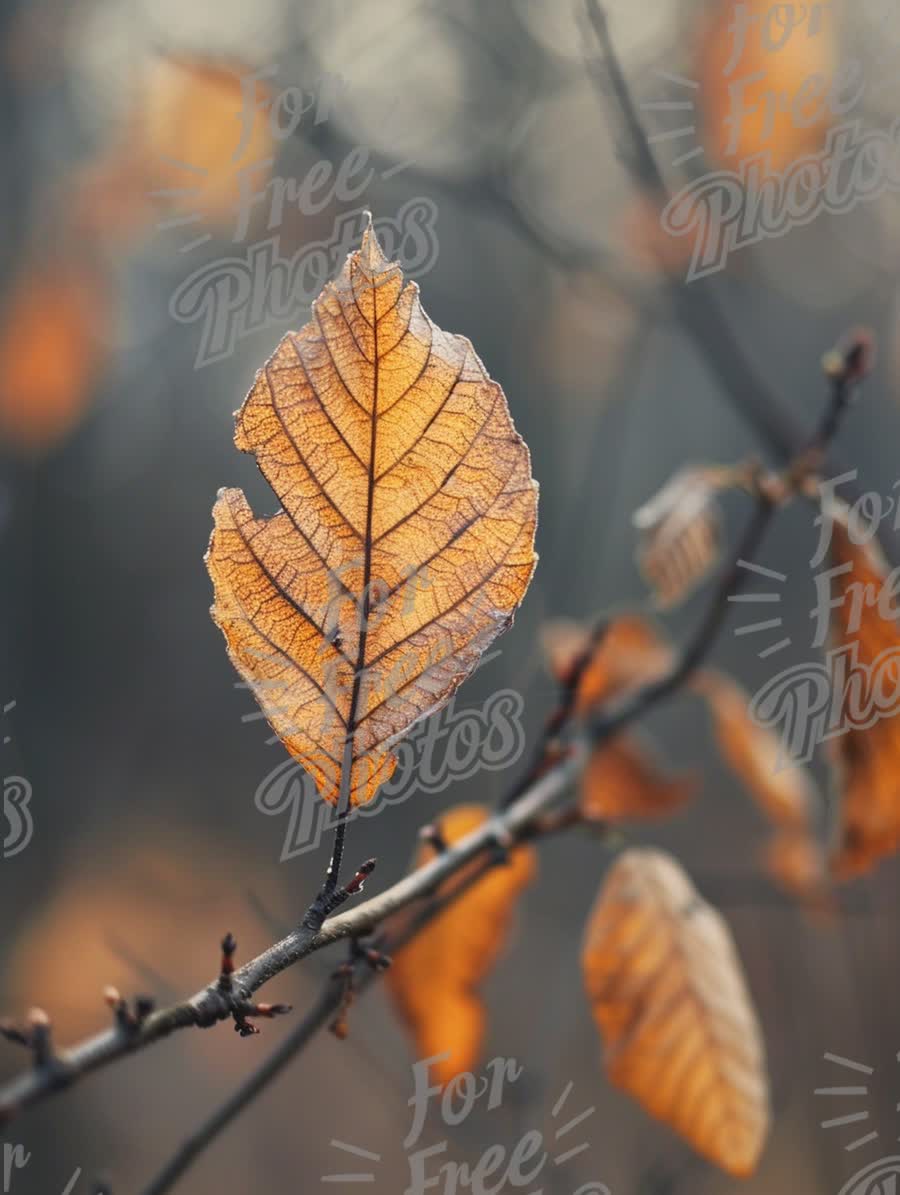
(669,998)
(623,782)
(406,538)
(867,751)
(680,534)
(784,790)
(434,979)
(630,653)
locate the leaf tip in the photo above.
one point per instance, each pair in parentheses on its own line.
(370,252)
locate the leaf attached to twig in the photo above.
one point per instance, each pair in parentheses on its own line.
(680,534)
(406,538)
(670,1000)
(434,979)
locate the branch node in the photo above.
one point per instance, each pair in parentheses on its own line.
(326,902)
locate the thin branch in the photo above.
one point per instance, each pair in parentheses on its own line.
(319,1017)
(211,1004)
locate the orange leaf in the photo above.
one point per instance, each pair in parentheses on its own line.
(406,541)
(868,759)
(669,997)
(784,790)
(680,533)
(622,782)
(434,978)
(630,653)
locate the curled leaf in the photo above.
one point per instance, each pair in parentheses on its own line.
(434,979)
(680,534)
(622,782)
(406,538)
(867,750)
(784,790)
(628,654)
(669,997)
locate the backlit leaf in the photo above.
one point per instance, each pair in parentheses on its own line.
(669,997)
(434,979)
(406,538)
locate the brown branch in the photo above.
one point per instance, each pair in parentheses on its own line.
(319,1017)
(214,1003)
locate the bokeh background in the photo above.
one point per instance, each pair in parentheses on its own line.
(128,721)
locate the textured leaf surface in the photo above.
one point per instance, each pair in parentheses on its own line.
(406,538)
(434,979)
(669,997)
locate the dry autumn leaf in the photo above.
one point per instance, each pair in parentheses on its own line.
(406,538)
(434,979)
(867,756)
(628,654)
(623,782)
(680,534)
(669,997)
(785,791)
